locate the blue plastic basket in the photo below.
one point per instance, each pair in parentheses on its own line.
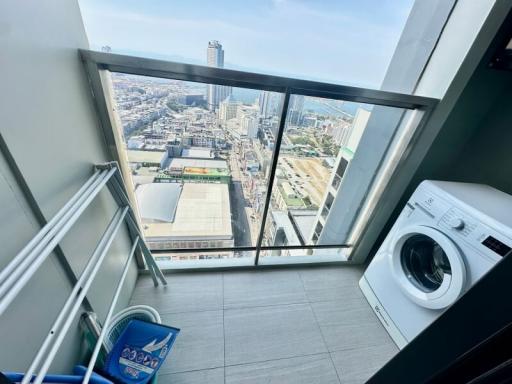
(140,352)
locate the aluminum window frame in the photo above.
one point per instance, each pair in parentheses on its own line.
(97,63)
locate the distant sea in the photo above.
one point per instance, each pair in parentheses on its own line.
(248,96)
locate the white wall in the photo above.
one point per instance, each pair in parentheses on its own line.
(51,129)
(458,35)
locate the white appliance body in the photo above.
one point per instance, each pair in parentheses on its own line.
(445,239)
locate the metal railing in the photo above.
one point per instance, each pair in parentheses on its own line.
(26,263)
(96,62)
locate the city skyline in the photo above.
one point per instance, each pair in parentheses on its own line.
(259,38)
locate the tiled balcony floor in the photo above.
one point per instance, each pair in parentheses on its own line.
(308,325)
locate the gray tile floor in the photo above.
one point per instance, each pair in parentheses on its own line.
(308,325)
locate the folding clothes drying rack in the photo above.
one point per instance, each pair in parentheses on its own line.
(26,263)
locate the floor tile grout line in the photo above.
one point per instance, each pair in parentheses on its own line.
(331,300)
(338,373)
(278,359)
(246,363)
(267,361)
(321,333)
(266,306)
(222,308)
(190,371)
(363,347)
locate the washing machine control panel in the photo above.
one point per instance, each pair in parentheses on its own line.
(455,219)
(455,222)
(476,234)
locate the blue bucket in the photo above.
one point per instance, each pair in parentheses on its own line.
(140,351)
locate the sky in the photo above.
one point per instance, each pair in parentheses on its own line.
(342,41)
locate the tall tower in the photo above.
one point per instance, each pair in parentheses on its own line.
(215,54)
(265,104)
(215,58)
(295,109)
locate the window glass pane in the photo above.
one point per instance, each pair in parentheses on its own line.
(345,42)
(320,140)
(199,157)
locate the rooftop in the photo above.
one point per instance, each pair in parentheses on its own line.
(136,156)
(197,152)
(283,222)
(202,211)
(144,175)
(304,220)
(205,171)
(181,162)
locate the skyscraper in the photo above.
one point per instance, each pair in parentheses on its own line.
(265,104)
(215,54)
(215,58)
(295,109)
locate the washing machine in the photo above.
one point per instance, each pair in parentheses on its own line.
(445,239)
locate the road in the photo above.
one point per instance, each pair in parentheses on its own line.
(239,219)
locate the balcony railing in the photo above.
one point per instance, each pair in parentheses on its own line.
(294,195)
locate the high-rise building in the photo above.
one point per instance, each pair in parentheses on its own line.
(295,108)
(249,125)
(266,104)
(215,58)
(215,54)
(349,144)
(228,108)
(340,133)
(358,126)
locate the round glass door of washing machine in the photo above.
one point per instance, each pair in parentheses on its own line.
(427,266)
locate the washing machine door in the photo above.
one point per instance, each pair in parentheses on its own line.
(427,266)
